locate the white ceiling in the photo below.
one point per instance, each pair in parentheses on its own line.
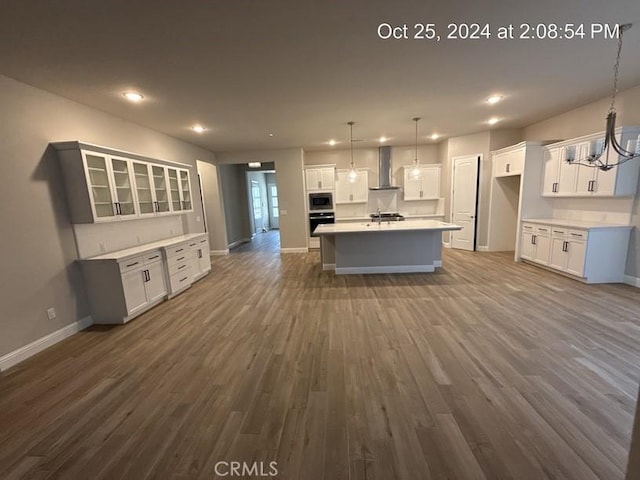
(301,69)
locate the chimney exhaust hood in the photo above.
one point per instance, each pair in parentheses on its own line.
(384,170)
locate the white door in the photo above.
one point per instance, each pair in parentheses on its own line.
(134,292)
(576,255)
(274,212)
(551,168)
(527,247)
(464,201)
(256,206)
(343,188)
(155,286)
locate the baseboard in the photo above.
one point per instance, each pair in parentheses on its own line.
(386,269)
(21,354)
(219,252)
(294,250)
(633,281)
(446,244)
(238,242)
(328,266)
(482,248)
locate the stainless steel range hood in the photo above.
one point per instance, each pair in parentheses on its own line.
(384,170)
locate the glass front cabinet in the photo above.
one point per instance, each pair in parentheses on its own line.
(104,187)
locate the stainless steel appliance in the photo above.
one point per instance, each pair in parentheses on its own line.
(386,217)
(320,201)
(318,218)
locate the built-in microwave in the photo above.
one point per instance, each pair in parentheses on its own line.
(320,201)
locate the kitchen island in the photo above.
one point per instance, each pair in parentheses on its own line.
(386,247)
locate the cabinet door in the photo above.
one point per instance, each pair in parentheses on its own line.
(185,191)
(576,256)
(527,247)
(123,186)
(558,256)
(343,188)
(430,187)
(550,175)
(134,290)
(360,188)
(203,260)
(542,249)
(586,174)
(568,172)
(155,286)
(161,189)
(604,183)
(174,189)
(313,179)
(327,178)
(97,173)
(412,186)
(144,190)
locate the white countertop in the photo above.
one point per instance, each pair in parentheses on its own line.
(120,255)
(580,224)
(372,227)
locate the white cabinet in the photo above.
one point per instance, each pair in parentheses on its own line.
(134,293)
(594,253)
(426,186)
(352,192)
(562,178)
(319,178)
(508,163)
(104,185)
(202,264)
(143,281)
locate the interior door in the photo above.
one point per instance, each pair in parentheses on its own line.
(256,206)
(464,203)
(274,212)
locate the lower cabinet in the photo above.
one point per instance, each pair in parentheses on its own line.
(144,286)
(594,254)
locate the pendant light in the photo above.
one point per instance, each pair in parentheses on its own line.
(611,143)
(416,171)
(352,176)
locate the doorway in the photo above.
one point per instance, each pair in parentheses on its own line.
(464,200)
(263,211)
(256,208)
(272,199)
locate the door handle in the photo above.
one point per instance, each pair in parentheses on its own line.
(533,239)
(472,216)
(508,166)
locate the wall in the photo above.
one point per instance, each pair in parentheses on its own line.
(214,209)
(39,268)
(235,203)
(590,119)
(288,165)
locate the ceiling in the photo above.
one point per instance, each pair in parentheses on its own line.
(301,69)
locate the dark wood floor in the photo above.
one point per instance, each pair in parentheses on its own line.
(485,369)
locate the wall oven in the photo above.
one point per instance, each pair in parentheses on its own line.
(319,218)
(320,201)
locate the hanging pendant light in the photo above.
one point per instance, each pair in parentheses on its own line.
(600,158)
(416,171)
(352,176)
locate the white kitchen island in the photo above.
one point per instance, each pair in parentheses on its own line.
(387,247)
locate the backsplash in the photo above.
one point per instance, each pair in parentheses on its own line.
(96,238)
(603,210)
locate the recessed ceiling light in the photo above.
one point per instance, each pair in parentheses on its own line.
(271,134)
(435,136)
(382,139)
(493,99)
(493,121)
(198,128)
(332,142)
(134,97)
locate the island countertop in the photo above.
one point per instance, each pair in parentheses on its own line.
(374,227)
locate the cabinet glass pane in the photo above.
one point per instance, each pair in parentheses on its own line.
(143,188)
(99,182)
(161,189)
(186,190)
(174,188)
(124,192)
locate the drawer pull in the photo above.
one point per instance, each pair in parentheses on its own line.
(179,250)
(183,279)
(192,244)
(181,267)
(154,257)
(132,264)
(181,258)
(579,235)
(558,231)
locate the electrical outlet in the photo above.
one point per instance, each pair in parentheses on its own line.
(103,247)
(51,313)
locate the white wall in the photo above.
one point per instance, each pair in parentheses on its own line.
(39,261)
(214,210)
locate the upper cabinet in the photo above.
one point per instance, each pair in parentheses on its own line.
(562,178)
(319,178)
(352,192)
(107,186)
(426,186)
(507,163)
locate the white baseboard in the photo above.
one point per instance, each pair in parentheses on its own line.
(437,263)
(446,244)
(238,242)
(17,356)
(328,266)
(633,281)
(294,250)
(219,252)
(482,248)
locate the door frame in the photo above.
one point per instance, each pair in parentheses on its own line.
(479,157)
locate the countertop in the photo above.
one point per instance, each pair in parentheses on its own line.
(580,224)
(127,253)
(373,227)
(405,215)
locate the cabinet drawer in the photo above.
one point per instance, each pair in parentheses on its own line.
(131,264)
(177,250)
(558,232)
(578,235)
(178,267)
(543,230)
(192,244)
(181,279)
(152,257)
(181,257)
(527,227)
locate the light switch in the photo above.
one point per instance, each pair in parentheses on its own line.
(283,212)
